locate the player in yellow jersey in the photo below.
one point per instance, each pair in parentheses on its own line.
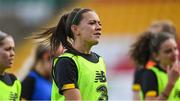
(161,81)
(10,87)
(155,27)
(79,73)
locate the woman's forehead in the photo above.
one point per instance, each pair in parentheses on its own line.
(8,41)
(90,15)
(168,43)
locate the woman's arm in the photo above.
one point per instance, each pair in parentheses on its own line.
(163,96)
(173,75)
(149,85)
(66,76)
(136,87)
(136,95)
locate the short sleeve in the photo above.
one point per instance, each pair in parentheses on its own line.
(66,74)
(149,84)
(137,80)
(28,87)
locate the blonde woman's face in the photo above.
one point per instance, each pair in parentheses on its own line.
(7,52)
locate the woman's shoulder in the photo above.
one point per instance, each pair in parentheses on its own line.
(149,71)
(148,74)
(64,60)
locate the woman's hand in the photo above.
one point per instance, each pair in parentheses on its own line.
(173,75)
(173,72)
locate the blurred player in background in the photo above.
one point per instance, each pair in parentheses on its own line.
(161,81)
(37,84)
(156,27)
(10,87)
(162,26)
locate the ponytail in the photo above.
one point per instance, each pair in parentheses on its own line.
(62,33)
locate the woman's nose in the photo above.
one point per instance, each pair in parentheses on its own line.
(12,53)
(176,53)
(99,27)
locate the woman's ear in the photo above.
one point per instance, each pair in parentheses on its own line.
(75,30)
(46,56)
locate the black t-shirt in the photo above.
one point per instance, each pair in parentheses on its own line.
(149,81)
(138,75)
(65,70)
(138,78)
(28,85)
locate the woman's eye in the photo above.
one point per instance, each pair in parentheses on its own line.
(100,24)
(91,23)
(95,22)
(8,49)
(168,51)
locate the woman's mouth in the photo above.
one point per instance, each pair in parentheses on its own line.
(11,60)
(97,34)
(174,59)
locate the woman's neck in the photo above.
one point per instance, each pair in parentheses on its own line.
(82,47)
(39,69)
(2,72)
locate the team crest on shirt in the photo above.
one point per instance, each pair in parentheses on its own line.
(104,93)
(100,77)
(13,96)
